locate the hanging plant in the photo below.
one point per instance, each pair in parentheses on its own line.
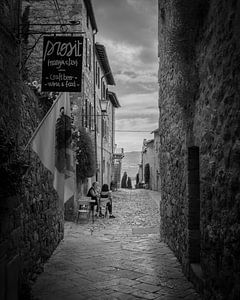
(85,155)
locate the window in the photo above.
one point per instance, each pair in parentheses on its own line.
(109,136)
(87,20)
(93,118)
(98,77)
(90,116)
(103,90)
(98,121)
(86,113)
(96,71)
(86,52)
(105,129)
(83,116)
(103,166)
(90,57)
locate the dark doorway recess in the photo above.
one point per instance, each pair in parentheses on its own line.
(193,183)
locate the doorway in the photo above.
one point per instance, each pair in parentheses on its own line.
(193,188)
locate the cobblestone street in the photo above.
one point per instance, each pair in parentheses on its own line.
(121,258)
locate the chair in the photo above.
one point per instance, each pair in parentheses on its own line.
(103,206)
(85,208)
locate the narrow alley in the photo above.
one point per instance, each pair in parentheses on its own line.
(121,258)
(138,96)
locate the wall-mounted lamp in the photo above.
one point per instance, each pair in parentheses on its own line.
(104,105)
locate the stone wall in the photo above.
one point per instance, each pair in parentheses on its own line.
(31,222)
(157,179)
(31,225)
(42,218)
(10,165)
(217,131)
(200,112)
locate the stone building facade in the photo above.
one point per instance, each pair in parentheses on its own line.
(150,162)
(45,12)
(200,148)
(105,115)
(110,140)
(117,166)
(96,76)
(156,181)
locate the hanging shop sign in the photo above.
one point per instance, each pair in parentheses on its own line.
(62,63)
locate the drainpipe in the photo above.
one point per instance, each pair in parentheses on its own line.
(101,148)
(95,103)
(19,35)
(102,122)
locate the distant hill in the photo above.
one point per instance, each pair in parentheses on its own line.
(130,163)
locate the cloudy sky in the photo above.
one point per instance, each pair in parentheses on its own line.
(128,29)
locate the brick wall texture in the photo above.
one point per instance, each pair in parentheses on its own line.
(199,58)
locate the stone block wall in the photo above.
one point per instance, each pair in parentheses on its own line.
(31,224)
(31,221)
(200,107)
(172,126)
(217,130)
(42,218)
(10,165)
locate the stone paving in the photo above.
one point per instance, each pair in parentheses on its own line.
(120,258)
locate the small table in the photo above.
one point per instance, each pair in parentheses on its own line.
(84,206)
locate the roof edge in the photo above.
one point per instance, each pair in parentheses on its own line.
(113,98)
(89,7)
(103,58)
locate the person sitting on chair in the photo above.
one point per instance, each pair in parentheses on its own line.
(105,193)
(94,194)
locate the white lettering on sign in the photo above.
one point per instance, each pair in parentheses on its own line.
(63,49)
(53,84)
(70,84)
(58,63)
(62,63)
(61,77)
